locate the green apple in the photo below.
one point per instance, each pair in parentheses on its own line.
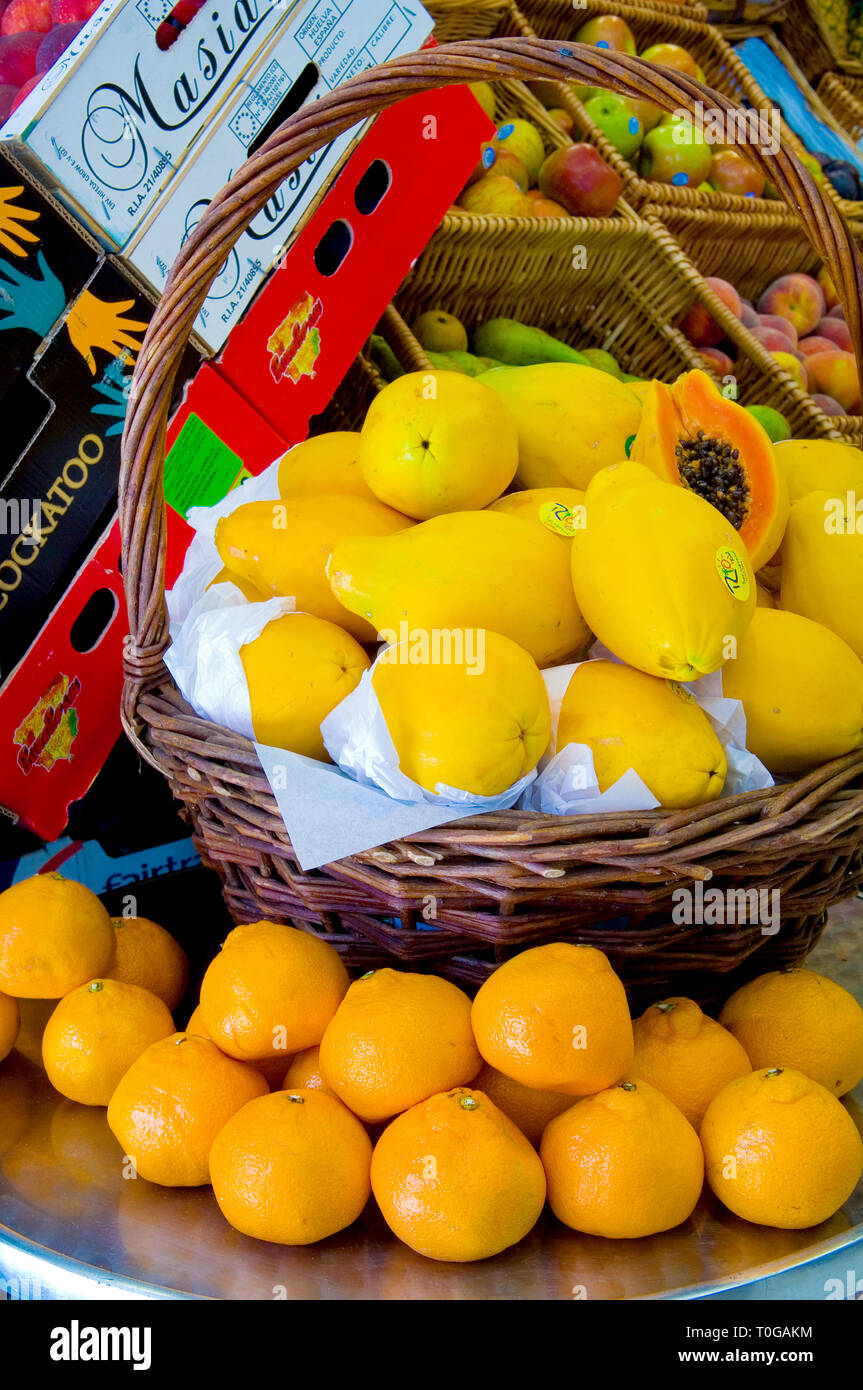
(676,153)
(615,117)
(521,139)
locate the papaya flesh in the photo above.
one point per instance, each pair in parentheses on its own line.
(693,435)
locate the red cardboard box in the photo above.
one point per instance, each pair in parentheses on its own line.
(60,709)
(300,335)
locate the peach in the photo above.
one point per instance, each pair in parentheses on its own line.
(780,324)
(540,206)
(837,312)
(809,346)
(730,172)
(837,331)
(835,374)
(789,364)
(797,298)
(828,288)
(700,327)
(772,339)
(748,316)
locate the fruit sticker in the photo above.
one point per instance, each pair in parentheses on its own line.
(295,345)
(732,571)
(49,730)
(561,519)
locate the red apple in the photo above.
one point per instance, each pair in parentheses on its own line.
(797,298)
(26,89)
(608,31)
(579,178)
(837,331)
(731,173)
(18,58)
(26,17)
(671,55)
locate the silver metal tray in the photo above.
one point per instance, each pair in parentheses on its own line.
(72,1227)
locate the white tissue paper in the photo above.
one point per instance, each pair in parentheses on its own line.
(567,784)
(204,656)
(202,562)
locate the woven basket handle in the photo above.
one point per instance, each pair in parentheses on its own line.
(142,506)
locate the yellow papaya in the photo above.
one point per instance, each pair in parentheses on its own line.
(247,589)
(558,509)
(572,421)
(465,570)
(693,435)
(802,691)
(479,724)
(324,463)
(659,575)
(822,565)
(632,720)
(282,548)
(297,670)
(811,465)
(437,442)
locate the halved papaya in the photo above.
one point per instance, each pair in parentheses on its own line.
(693,435)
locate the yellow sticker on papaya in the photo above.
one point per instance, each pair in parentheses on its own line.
(731,568)
(561,519)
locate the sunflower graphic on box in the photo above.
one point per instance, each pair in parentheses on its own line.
(295,346)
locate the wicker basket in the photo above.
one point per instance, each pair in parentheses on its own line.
(816,44)
(851,209)
(842,94)
(636,286)
(497,882)
(750,256)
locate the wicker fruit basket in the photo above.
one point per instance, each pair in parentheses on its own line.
(723,71)
(506,880)
(815,33)
(852,209)
(842,94)
(750,255)
(636,286)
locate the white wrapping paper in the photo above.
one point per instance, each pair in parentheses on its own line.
(567,784)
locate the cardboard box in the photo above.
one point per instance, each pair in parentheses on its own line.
(114,118)
(215,440)
(60,709)
(297,340)
(44,263)
(299,65)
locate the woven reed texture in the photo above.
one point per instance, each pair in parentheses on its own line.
(750,256)
(813,43)
(606,283)
(721,12)
(842,94)
(490,884)
(540,10)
